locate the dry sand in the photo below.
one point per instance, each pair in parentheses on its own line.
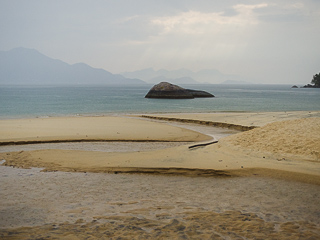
(91,129)
(223,206)
(298,139)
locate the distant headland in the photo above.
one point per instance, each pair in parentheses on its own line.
(315,82)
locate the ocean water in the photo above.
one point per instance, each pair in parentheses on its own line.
(46,101)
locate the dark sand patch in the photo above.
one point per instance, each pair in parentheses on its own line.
(95,146)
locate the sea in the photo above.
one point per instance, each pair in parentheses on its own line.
(54,101)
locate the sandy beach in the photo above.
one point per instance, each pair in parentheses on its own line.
(262,183)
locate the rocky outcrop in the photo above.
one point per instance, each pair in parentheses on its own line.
(168,90)
(310,86)
(199,94)
(171,91)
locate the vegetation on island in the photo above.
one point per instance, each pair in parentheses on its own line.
(315,81)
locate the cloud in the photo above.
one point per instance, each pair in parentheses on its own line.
(247,9)
(291,13)
(195,22)
(203,37)
(260,39)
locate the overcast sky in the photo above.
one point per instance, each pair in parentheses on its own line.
(271,41)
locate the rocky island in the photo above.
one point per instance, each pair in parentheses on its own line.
(315,81)
(311,86)
(171,91)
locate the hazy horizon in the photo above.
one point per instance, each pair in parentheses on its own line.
(271,42)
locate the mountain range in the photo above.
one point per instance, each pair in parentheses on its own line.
(184,76)
(23,66)
(28,66)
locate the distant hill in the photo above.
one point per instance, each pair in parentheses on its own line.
(30,67)
(202,76)
(180,80)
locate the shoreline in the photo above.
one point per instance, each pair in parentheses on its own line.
(151,113)
(222,156)
(208,123)
(262,183)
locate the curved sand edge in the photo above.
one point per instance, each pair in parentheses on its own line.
(224,157)
(86,129)
(214,161)
(203,122)
(240,120)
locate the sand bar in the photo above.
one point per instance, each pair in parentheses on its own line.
(299,154)
(91,129)
(240,119)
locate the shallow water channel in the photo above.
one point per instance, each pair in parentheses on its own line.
(215,132)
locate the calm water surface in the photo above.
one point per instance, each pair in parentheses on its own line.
(41,101)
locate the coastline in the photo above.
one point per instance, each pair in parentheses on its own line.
(222,156)
(142,202)
(130,129)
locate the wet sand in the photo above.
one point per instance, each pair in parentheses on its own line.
(38,204)
(245,187)
(236,119)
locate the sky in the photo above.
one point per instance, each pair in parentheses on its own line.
(265,41)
